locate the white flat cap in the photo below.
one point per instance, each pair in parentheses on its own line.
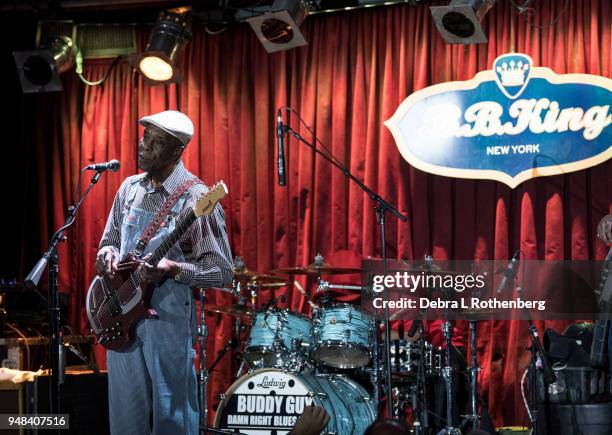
(172,122)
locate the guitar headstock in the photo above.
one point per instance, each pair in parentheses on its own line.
(207,202)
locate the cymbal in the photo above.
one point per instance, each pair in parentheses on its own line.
(246,274)
(232,310)
(315,269)
(478,314)
(434,270)
(258,284)
(268,278)
(474,314)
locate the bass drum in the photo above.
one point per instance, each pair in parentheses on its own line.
(269,401)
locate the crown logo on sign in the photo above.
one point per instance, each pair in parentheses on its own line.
(513,74)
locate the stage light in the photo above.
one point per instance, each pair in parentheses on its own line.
(279,28)
(158,63)
(459,22)
(39,69)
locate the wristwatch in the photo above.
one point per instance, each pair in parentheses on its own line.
(177,277)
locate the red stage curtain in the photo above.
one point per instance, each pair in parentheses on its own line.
(354,73)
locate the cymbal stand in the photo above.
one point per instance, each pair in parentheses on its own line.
(420,421)
(238,345)
(202,372)
(474,417)
(375,373)
(447,374)
(253,288)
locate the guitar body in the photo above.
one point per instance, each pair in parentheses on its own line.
(114,306)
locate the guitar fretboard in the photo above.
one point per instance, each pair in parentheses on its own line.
(181,228)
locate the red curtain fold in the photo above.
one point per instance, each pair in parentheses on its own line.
(351,77)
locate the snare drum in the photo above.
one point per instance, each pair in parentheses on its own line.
(279,338)
(343,336)
(269,401)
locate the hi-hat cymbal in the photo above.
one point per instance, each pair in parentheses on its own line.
(232,310)
(246,275)
(315,269)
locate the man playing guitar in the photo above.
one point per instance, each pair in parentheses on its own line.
(153,379)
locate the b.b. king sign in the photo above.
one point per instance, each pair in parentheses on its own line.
(511,123)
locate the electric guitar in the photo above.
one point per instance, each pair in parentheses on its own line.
(114,306)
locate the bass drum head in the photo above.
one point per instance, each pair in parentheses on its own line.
(269,401)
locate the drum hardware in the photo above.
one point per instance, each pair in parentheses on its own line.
(231,344)
(341,336)
(303,293)
(202,372)
(474,417)
(447,376)
(325,285)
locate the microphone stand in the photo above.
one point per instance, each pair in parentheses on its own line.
(536,349)
(382,207)
(50,259)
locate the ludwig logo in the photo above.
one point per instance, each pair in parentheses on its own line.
(511,123)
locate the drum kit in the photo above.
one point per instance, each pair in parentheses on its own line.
(332,359)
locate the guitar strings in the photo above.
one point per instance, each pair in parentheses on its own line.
(136,278)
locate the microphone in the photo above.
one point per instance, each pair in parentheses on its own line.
(112,166)
(510,272)
(280,135)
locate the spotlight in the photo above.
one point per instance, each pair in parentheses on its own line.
(279,28)
(158,62)
(39,69)
(459,22)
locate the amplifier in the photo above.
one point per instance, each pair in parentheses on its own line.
(30,353)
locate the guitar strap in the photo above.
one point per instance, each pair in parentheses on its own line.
(159,218)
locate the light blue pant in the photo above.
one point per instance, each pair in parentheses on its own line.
(152,384)
(155,376)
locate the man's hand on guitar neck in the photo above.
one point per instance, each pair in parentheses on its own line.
(604,229)
(154,274)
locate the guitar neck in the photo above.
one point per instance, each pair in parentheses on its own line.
(181,228)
